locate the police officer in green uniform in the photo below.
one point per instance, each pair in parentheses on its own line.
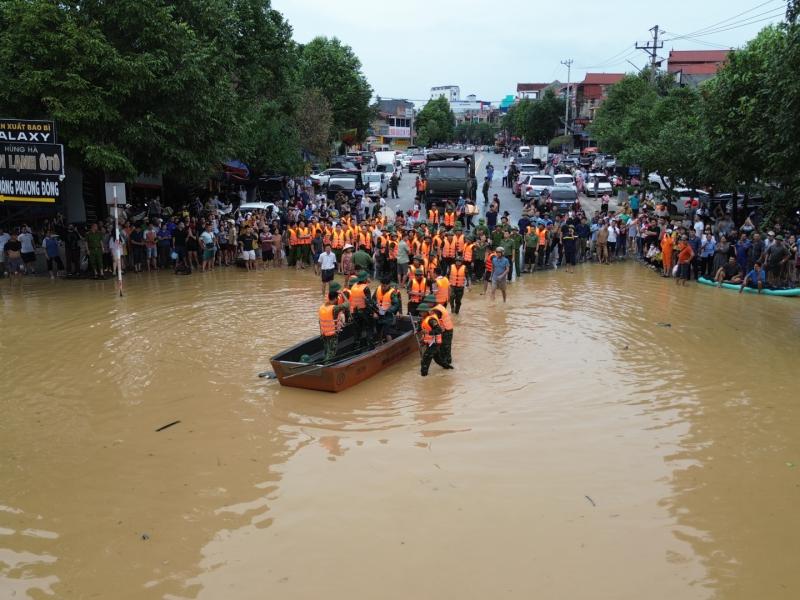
(457,291)
(446,349)
(431,350)
(386,316)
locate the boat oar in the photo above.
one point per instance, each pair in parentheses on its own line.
(416,337)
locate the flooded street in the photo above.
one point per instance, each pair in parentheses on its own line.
(581,448)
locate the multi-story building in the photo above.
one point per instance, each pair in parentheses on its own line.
(394,124)
(692,67)
(451,92)
(589,96)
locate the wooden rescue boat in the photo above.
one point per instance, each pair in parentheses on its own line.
(349,367)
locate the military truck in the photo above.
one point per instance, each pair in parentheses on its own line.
(450,173)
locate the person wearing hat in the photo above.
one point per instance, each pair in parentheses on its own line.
(388,305)
(500,270)
(363,306)
(449,251)
(441,313)
(418,288)
(431,339)
(330,323)
(458,276)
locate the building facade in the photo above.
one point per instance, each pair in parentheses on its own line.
(451,92)
(394,125)
(693,67)
(589,96)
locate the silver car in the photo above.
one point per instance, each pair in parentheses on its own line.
(376,185)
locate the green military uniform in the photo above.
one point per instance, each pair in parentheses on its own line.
(481,228)
(363,320)
(457,291)
(517,238)
(531,244)
(446,349)
(331,342)
(508,245)
(432,350)
(386,320)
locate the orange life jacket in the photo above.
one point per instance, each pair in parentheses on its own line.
(358,299)
(437,242)
(365,239)
(327,322)
(425,249)
(542,233)
(449,248)
(303,236)
(442,289)
(394,250)
(384,298)
(417,290)
(433,216)
(444,317)
(449,219)
(488,263)
(433,265)
(292,236)
(458,276)
(460,242)
(427,332)
(468,252)
(338,240)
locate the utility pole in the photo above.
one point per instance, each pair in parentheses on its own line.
(651,49)
(568,64)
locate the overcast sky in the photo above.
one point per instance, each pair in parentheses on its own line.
(486,48)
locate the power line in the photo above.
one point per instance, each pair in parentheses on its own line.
(691,33)
(652,50)
(731,26)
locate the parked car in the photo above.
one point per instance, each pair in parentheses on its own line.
(376,185)
(247,207)
(603,185)
(416,161)
(321,179)
(687,201)
(524,172)
(344,182)
(564,180)
(537,184)
(405,160)
(563,199)
(524,151)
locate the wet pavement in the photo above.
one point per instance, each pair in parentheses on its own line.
(605,435)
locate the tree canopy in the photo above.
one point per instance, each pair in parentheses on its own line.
(476,133)
(536,121)
(177,87)
(435,123)
(737,132)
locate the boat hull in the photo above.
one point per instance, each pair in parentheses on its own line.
(346,372)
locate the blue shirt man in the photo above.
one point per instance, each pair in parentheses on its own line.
(500,267)
(634,202)
(753,277)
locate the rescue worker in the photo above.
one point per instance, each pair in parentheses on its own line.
(446,323)
(418,288)
(388,303)
(458,279)
(449,217)
(449,251)
(330,324)
(431,339)
(441,289)
(363,307)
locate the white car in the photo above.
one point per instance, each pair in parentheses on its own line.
(565,181)
(404,160)
(598,184)
(376,185)
(321,179)
(249,207)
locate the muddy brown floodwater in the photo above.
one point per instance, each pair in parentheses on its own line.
(579,450)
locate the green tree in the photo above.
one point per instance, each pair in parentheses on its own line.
(332,68)
(314,119)
(435,123)
(543,118)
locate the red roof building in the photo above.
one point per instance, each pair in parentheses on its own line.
(590,93)
(692,67)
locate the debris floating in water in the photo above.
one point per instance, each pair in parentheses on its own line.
(163,427)
(268,375)
(660,324)
(590,500)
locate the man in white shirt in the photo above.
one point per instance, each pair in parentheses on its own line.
(699,226)
(327,265)
(28,251)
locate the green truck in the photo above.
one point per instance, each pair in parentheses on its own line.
(449,173)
